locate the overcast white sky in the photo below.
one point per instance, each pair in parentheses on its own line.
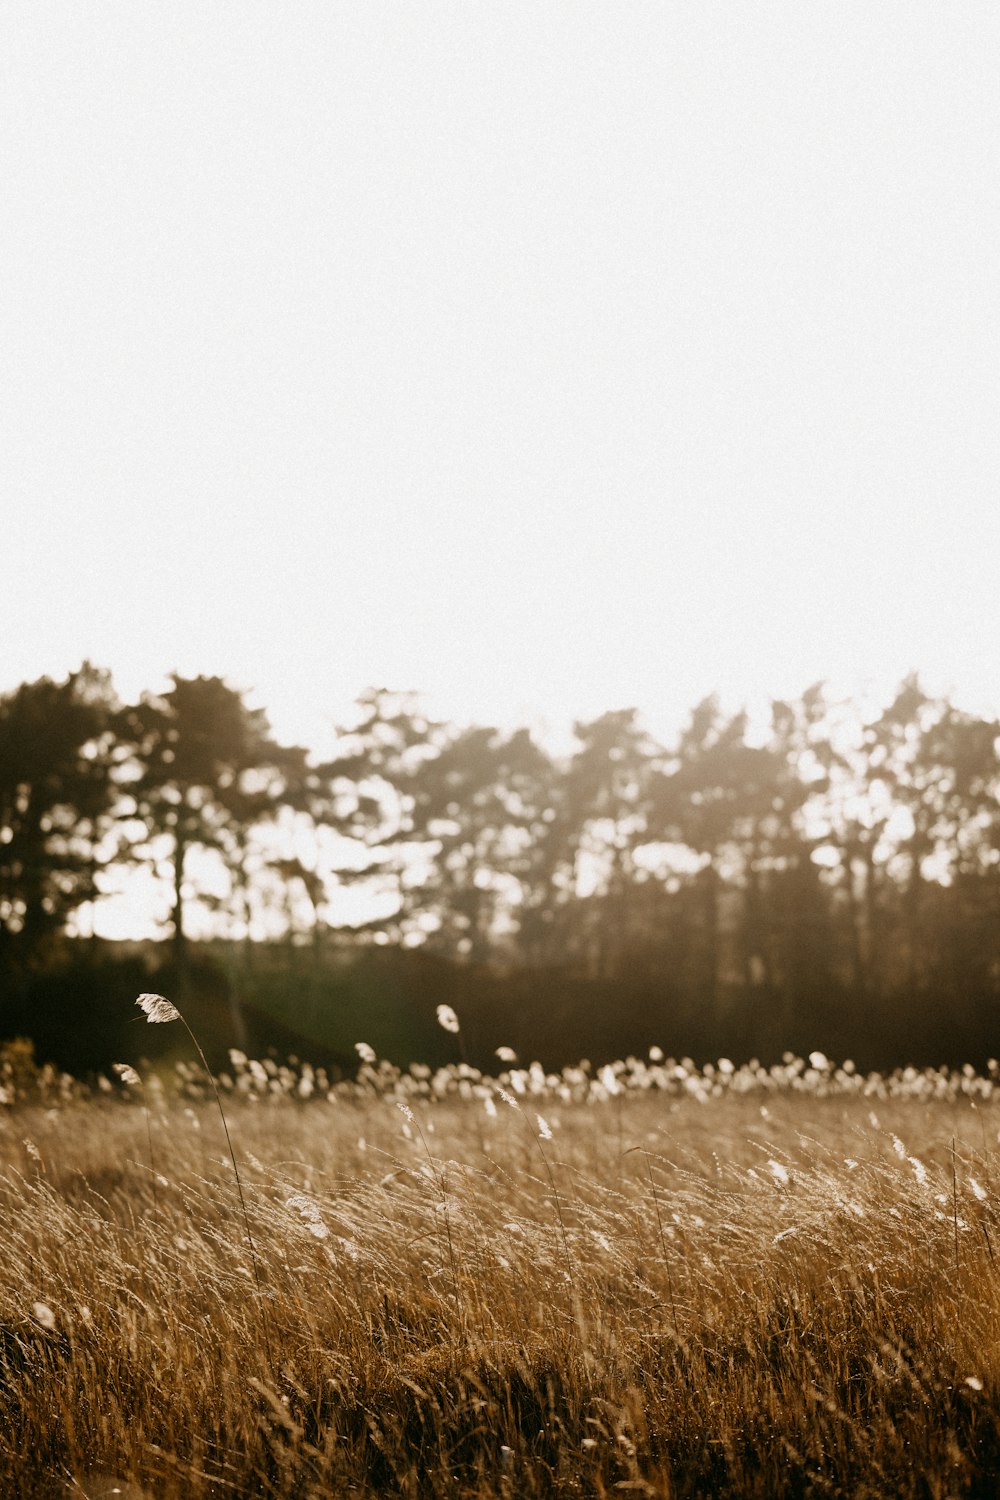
(546,358)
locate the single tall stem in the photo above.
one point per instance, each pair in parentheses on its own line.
(239,1189)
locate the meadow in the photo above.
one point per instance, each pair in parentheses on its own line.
(648,1278)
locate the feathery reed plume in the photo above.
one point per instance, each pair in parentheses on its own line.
(158,1009)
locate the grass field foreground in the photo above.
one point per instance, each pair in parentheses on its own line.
(654,1279)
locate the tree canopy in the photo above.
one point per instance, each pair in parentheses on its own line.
(825,854)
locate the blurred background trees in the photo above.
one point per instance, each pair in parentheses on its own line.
(827,878)
(56,800)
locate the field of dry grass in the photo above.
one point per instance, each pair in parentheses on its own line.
(671,1283)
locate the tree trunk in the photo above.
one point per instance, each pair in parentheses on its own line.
(913,906)
(873,965)
(859,975)
(710,883)
(756,945)
(179,937)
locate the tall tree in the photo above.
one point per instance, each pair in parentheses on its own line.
(703,800)
(785,831)
(898,754)
(959,755)
(480,807)
(364,794)
(606,810)
(55,798)
(199,767)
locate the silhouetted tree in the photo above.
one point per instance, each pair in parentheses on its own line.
(852,809)
(691,806)
(795,767)
(298,878)
(479,805)
(199,763)
(834,871)
(607,804)
(269,786)
(898,751)
(55,798)
(958,753)
(364,793)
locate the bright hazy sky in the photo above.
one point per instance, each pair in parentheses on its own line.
(543,357)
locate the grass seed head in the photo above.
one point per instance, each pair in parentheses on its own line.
(157,1008)
(44,1315)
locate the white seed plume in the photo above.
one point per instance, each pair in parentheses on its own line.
(157,1009)
(310,1214)
(543,1128)
(127,1075)
(506,1054)
(978,1189)
(447,1018)
(609,1079)
(44,1315)
(366,1053)
(778,1172)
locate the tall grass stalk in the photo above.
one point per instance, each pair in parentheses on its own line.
(441,1182)
(954,1200)
(538,1135)
(659,1227)
(132,1080)
(157,1010)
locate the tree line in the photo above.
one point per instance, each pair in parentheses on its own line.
(829,858)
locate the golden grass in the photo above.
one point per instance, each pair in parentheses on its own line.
(768,1295)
